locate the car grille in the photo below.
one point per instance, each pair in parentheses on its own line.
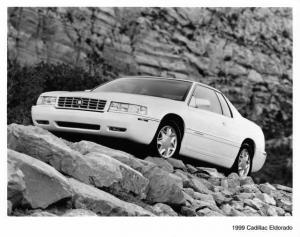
(81,103)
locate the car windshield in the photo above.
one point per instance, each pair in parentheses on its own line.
(171,89)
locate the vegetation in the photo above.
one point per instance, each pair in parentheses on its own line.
(26,83)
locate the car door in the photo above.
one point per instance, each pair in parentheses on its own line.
(231,135)
(205,129)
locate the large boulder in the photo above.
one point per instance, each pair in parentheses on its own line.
(102,203)
(44,184)
(164,187)
(85,147)
(15,184)
(93,168)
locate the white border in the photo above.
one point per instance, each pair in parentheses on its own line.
(166,226)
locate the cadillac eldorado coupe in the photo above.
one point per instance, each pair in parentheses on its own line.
(174,116)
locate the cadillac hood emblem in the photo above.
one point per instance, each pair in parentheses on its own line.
(79,102)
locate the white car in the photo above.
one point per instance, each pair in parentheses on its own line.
(175,116)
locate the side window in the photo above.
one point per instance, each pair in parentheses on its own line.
(205,98)
(225,107)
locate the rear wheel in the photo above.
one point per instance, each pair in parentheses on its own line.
(243,164)
(167,140)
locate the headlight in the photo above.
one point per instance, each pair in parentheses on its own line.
(46,100)
(128,108)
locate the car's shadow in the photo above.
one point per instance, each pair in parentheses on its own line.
(138,150)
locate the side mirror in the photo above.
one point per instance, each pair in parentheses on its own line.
(201,103)
(89,90)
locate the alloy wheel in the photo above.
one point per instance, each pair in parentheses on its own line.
(167,141)
(244,163)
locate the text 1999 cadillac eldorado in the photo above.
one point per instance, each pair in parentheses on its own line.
(175,116)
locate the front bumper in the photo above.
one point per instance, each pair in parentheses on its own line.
(134,127)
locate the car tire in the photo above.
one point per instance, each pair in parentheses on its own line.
(167,140)
(243,162)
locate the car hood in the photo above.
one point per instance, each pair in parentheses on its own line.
(118,97)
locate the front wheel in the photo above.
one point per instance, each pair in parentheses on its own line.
(167,140)
(243,164)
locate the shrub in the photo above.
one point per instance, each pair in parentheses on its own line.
(25,84)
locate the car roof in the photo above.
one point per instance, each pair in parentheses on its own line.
(170,78)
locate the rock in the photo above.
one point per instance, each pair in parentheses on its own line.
(39,213)
(161,209)
(271,211)
(200,204)
(238,205)
(283,188)
(191,169)
(249,188)
(92,168)
(162,163)
(249,211)
(177,164)
(279,210)
(85,147)
(233,183)
(204,197)
(44,184)
(254,203)
(243,196)
(15,183)
(246,180)
(217,189)
(214,181)
(235,212)
(163,187)
(226,193)
(220,198)
(187,211)
(79,212)
(189,191)
(233,176)
(285,205)
(189,200)
(183,176)
(266,198)
(102,203)
(224,183)
(227,209)
(267,188)
(9,207)
(208,212)
(210,172)
(278,194)
(198,185)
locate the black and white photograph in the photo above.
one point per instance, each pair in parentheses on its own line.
(180,113)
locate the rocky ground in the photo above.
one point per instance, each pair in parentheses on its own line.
(49,176)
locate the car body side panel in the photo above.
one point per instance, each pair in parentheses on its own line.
(205,136)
